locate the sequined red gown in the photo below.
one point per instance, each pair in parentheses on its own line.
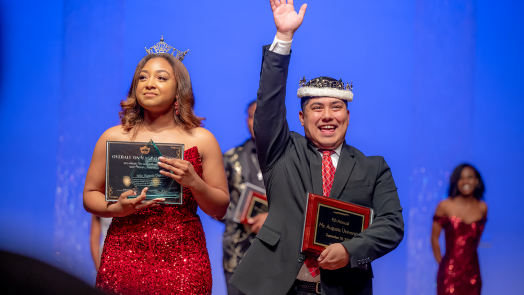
(459,271)
(160,250)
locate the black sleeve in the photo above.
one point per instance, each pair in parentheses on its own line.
(271,129)
(387,230)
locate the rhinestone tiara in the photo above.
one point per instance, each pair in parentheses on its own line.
(163,47)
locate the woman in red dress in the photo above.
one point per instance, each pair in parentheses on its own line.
(463,216)
(153,248)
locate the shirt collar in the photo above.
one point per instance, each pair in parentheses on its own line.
(339,149)
(336,150)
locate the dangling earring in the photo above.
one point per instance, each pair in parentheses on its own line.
(176,107)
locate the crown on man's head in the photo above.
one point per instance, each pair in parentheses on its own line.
(325,87)
(162,47)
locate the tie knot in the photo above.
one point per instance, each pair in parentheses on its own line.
(326,152)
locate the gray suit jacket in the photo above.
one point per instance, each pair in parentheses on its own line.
(292,167)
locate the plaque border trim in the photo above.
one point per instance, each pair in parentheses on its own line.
(310,218)
(240,214)
(167,202)
(345,211)
(253,200)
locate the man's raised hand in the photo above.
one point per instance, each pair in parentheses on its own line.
(287,20)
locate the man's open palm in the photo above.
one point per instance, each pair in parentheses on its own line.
(286,19)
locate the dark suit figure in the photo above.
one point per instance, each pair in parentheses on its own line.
(292,167)
(241,164)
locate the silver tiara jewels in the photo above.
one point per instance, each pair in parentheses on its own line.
(163,47)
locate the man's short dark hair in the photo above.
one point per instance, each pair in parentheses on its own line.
(304,101)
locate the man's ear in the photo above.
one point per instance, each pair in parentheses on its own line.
(301,117)
(349,117)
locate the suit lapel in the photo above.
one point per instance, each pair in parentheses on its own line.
(345,166)
(315,166)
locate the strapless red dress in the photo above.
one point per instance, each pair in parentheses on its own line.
(160,250)
(459,271)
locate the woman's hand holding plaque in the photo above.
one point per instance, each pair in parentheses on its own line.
(126,206)
(182,171)
(133,165)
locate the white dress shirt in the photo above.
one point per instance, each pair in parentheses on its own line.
(334,156)
(281,47)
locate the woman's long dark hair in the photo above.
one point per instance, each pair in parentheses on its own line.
(453,191)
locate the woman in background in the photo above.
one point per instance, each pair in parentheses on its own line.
(463,216)
(152,248)
(99,227)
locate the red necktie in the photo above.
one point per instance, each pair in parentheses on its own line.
(328,171)
(328,174)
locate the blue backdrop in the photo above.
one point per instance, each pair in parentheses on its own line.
(436,83)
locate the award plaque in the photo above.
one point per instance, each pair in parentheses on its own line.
(252,202)
(328,221)
(134,166)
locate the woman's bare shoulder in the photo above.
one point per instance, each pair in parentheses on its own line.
(483,207)
(203,136)
(443,207)
(117,133)
(205,140)
(202,133)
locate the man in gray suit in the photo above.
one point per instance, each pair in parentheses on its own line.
(294,165)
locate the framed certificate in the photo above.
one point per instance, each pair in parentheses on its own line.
(252,202)
(328,221)
(134,165)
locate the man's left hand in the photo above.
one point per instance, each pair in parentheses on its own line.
(257,222)
(287,20)
(333,257)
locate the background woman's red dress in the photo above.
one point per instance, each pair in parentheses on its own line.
(160,250)
(459,271)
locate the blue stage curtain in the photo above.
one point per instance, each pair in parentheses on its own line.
(91,76)
(442,122)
